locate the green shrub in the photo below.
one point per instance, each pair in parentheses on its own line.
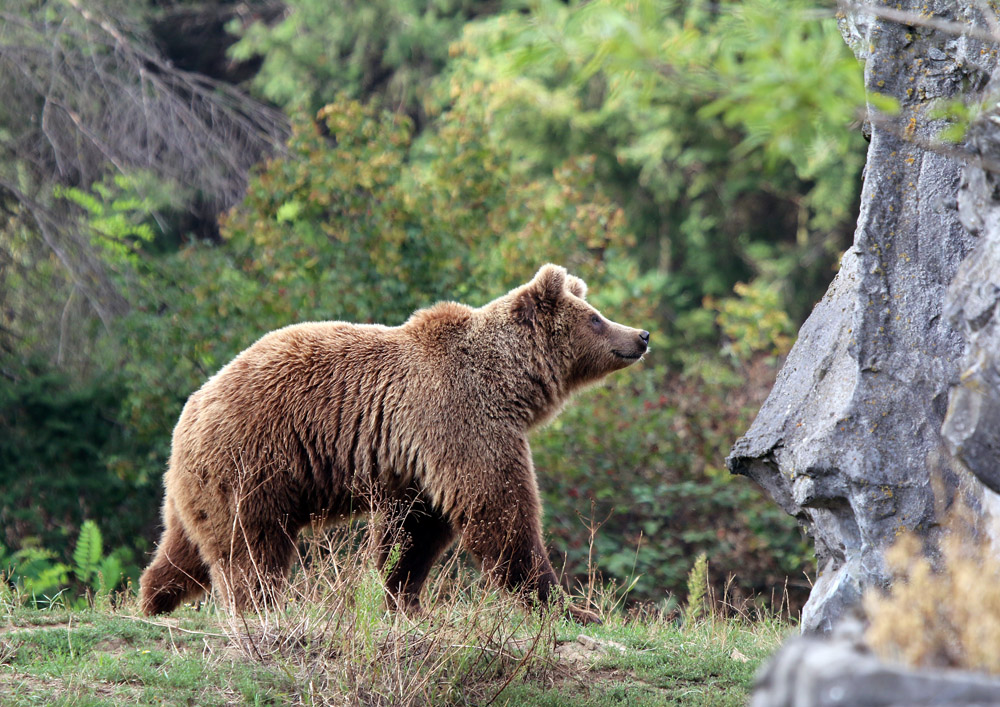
(36,575)
(643,457)
(723,129)
(57,462)
(387,48)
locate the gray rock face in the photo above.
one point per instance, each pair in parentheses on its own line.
(972,424)
(850,437)
(840,672)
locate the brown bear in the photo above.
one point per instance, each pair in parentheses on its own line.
(327,420)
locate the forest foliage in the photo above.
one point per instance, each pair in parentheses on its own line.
(697,163)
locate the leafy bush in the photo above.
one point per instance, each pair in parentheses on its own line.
(721,128)
(36,574)
(387,48)
(642,457)
(115,217)
(754,321)
(57,462)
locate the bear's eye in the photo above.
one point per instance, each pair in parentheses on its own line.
(596,321)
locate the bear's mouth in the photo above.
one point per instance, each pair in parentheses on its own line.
(628,356)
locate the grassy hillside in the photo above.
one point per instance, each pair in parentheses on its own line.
(105,657)
(332,642)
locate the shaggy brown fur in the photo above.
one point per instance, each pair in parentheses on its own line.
(327,420)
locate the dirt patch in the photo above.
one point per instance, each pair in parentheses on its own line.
(12,681)
(584,652)
(110,645)
(587,649)
(24,625)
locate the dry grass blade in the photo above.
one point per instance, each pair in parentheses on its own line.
(333,629)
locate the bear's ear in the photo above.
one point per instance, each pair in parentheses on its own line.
(549,283)
(577,286)
(541,294)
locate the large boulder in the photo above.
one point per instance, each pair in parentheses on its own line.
(849,440)
(972,424)
(839,671)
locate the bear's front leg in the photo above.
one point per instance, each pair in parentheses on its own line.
(515,558)
(500,525)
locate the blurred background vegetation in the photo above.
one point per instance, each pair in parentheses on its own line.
(178,178)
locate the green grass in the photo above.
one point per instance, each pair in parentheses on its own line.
(332,642)
(99,657)
(105,657)
(712,662)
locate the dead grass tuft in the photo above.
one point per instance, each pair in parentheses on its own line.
(332,632)
(943,608)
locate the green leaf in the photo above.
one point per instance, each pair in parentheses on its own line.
(87,554)
(884,103)
(289,211)
(109,574)
(697,585)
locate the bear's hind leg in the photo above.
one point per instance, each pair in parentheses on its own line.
(177,572)
(421,535)
(250,572)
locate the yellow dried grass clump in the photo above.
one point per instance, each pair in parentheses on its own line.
(944,614)
(331,629)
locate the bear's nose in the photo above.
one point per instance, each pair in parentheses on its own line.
(644,335)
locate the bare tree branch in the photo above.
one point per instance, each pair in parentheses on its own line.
(88,94)
(88,273)
(106,97)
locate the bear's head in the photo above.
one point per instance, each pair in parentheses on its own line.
(579,344)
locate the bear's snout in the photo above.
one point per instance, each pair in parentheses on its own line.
(642,345)
(629,344)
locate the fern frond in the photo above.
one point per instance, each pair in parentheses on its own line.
(88,551)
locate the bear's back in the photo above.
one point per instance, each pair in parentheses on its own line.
(325,404)
(295,375)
